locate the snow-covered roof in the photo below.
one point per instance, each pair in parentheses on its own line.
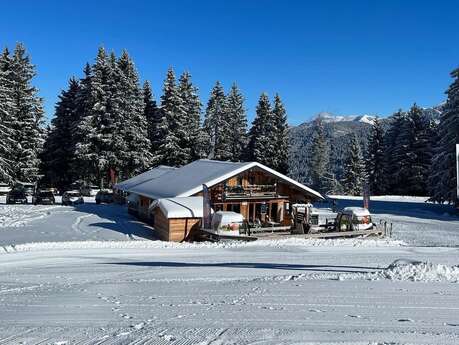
(188,180)
(185,207)
(358,211)
(144,177)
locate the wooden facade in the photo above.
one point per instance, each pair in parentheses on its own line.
(260,197)
(264,200)
(174,229)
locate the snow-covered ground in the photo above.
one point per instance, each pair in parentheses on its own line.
(57,223)
(88,275)
(414,221)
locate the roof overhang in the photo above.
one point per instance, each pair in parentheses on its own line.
(246,167)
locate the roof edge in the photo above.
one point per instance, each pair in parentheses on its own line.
(247,166)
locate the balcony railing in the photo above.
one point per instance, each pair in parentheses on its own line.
(250,192)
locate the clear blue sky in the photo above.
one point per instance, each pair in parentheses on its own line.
(348,57)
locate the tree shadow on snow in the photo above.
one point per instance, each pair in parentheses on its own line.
(422,210)
(118,220)
(260,265)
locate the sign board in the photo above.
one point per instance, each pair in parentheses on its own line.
(264,208)
(206,210)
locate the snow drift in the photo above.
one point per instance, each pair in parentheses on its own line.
(409,270)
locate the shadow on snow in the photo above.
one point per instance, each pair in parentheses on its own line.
(258,265)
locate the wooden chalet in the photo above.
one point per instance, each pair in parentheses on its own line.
(262,195)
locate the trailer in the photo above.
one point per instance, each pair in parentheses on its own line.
(227,226)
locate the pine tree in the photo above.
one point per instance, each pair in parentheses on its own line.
(354,174)
(393,153)
(419,152)
(27,119)
(281,146)
(153,117)
(96,149)
(217,125)
(134,151)
(192,121)
(58,153)
(262,134)
(238,122)
(7,111)
(319,158)
(237,118)
(81,169)
(443,173)
(172,127)
(375,159)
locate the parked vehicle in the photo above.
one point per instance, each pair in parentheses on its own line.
(104,196)
(27,187)
(72,197)
(45,196)
(89,190)
(4,188)
(16,196)
(353,218)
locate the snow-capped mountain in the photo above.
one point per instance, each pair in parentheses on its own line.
(329,117)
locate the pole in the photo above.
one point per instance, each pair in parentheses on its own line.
(457,176)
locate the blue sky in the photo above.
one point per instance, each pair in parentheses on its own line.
(347,57)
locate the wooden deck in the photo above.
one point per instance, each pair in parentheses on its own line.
(336,234)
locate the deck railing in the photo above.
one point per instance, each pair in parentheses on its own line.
(250,191)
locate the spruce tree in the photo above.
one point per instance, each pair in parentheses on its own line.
(281,145)
(262,134)
(7,111)
(81,169)
(217,125)
(172,129)
(134,152)
(419,154)
(153,117)
(96,129)
(27,119)
(238,123)
(192,120)
(443,173)
(58,153)
(393,153)
(375,159)
(354,174)
(319,158)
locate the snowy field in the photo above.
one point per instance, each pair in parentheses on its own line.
(89,275)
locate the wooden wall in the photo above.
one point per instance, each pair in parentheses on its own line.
(174,229)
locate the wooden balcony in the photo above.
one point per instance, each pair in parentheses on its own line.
(250,192)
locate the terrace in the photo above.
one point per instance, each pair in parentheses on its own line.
(250,192)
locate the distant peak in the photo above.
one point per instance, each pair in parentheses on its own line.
(329,117)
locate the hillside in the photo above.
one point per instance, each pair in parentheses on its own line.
(339,129)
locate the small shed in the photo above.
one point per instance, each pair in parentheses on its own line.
(175,218)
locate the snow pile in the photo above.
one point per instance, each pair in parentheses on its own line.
(408,270)
(140,244)
(420,271)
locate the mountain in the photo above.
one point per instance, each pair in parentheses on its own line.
(327,117)
(339,130)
